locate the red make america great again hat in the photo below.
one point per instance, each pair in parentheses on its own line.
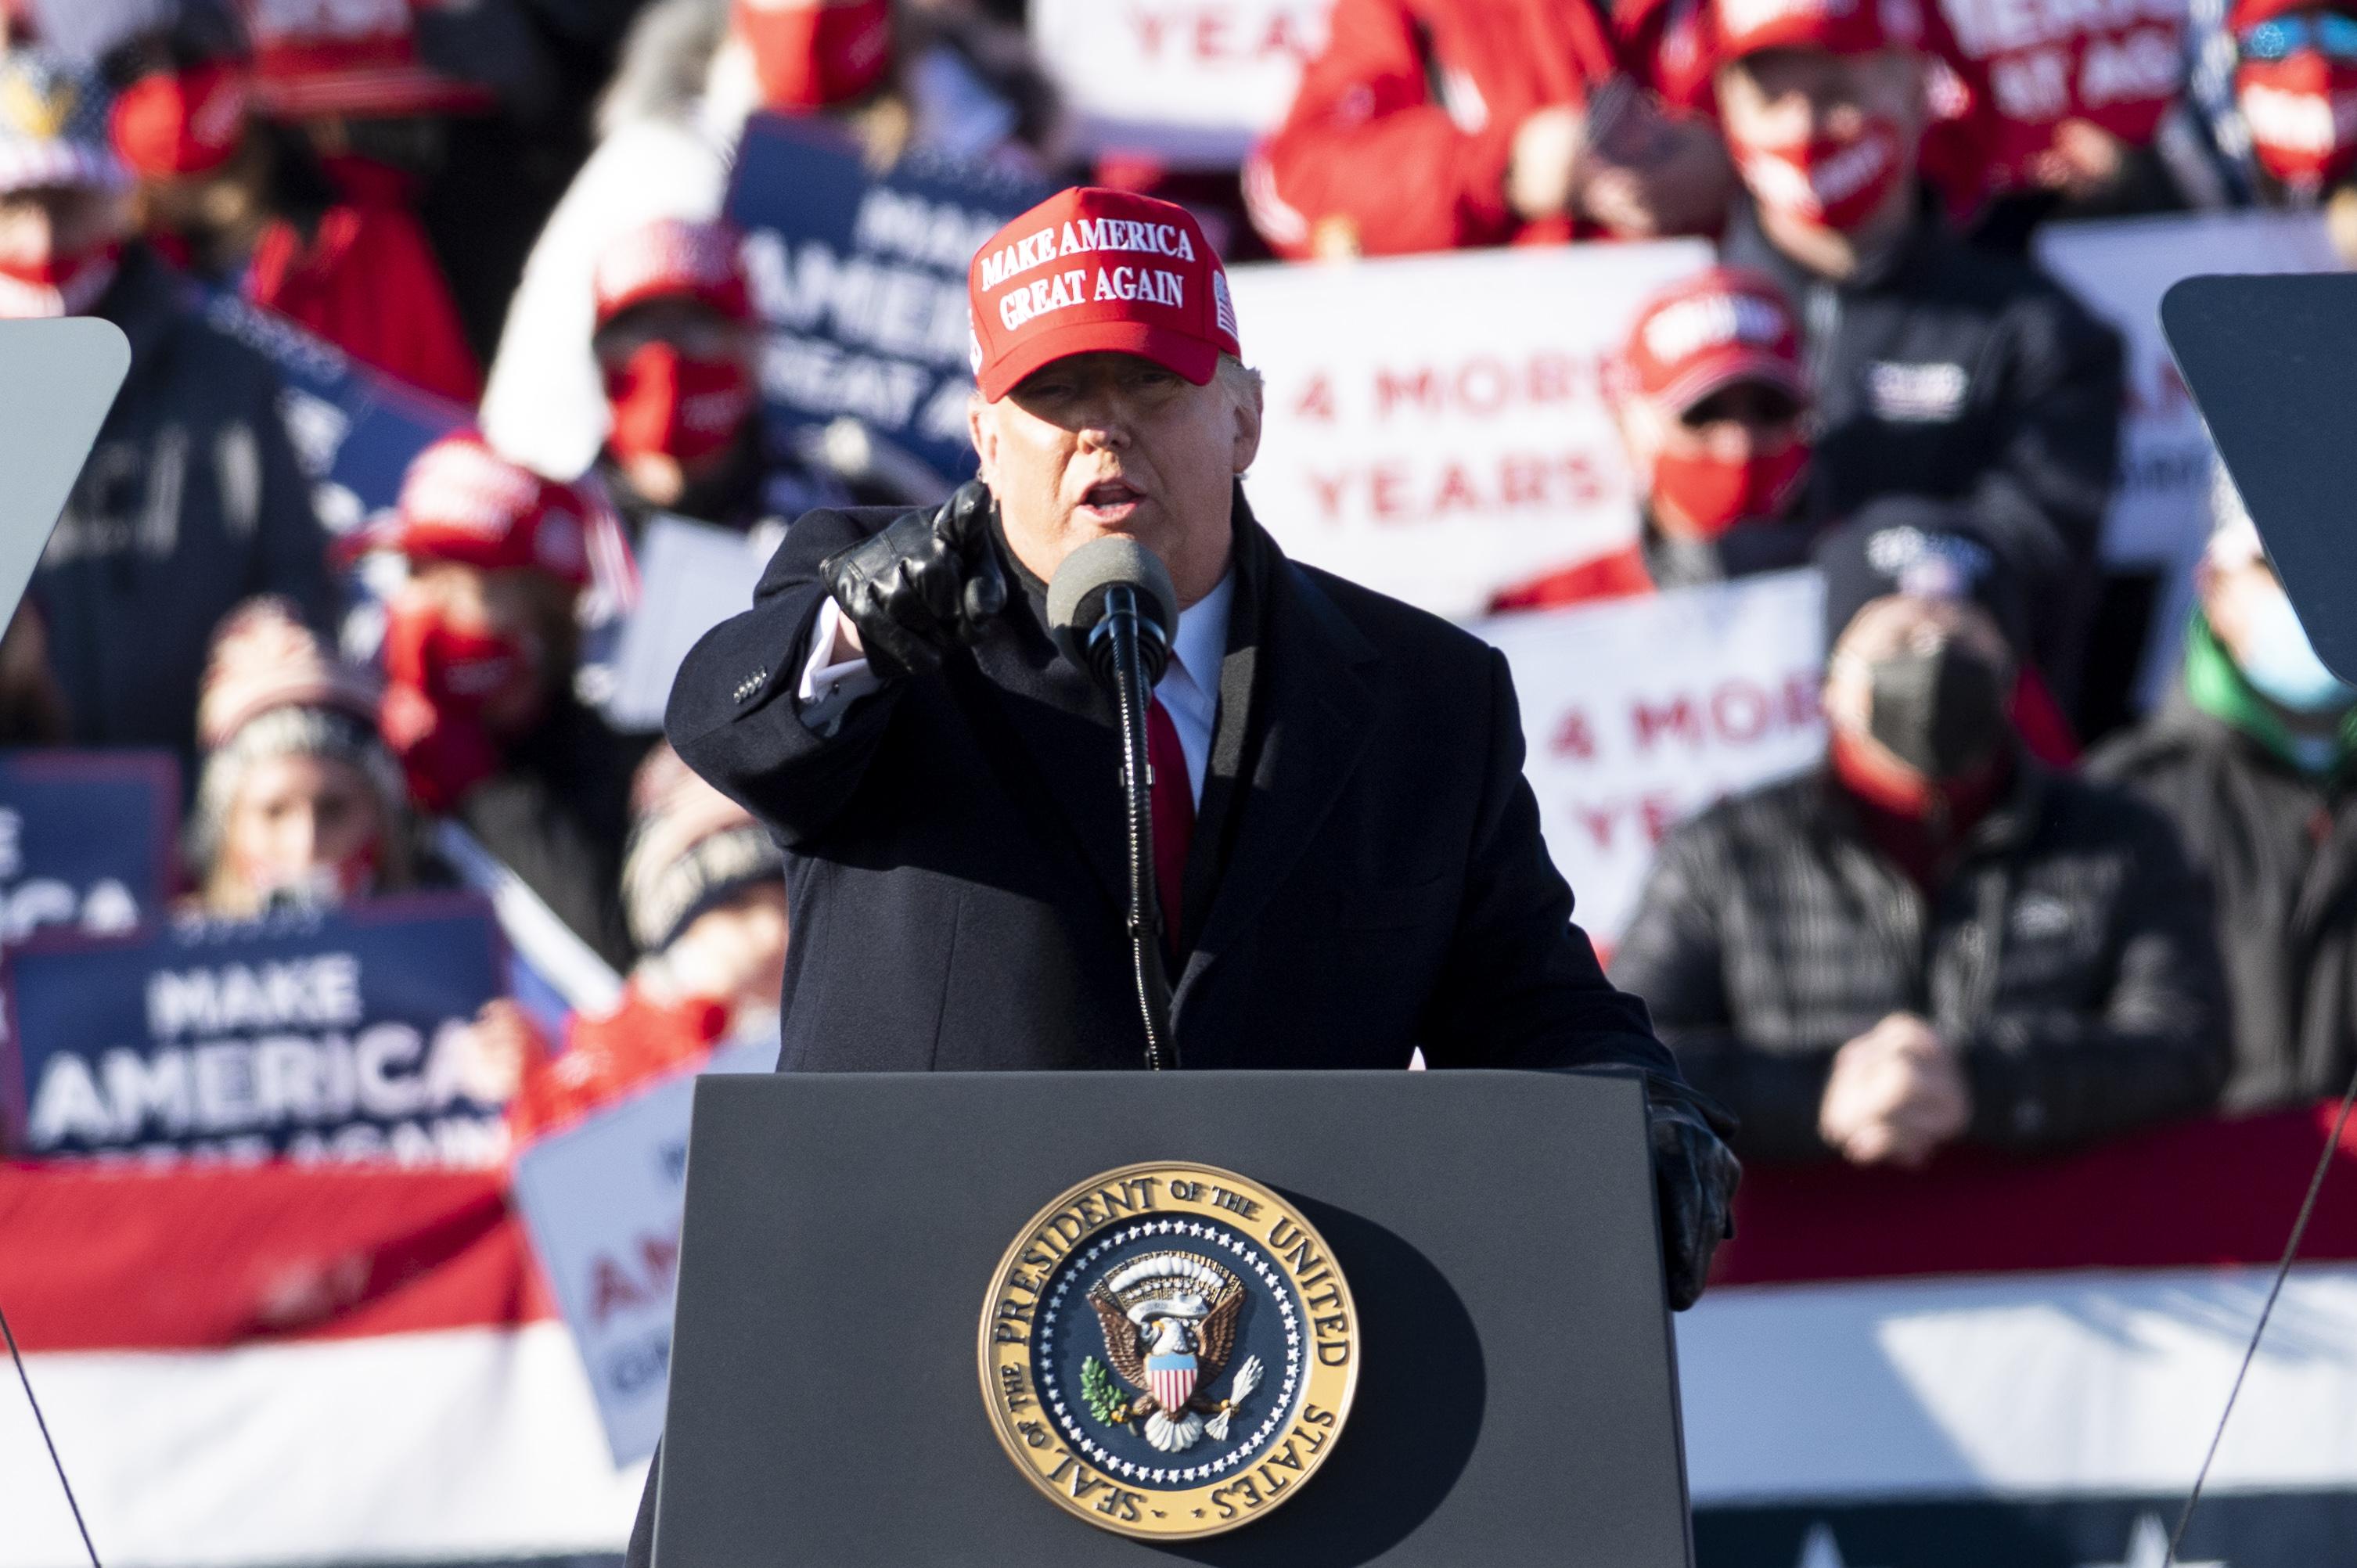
(1089,270)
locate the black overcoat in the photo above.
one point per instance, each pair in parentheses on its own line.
(1367,876)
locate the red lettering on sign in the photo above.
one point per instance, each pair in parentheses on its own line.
(1573,737)
(1316,399)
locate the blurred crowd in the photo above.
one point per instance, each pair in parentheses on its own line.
(1957,928)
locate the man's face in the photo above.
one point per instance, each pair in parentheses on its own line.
(1106,442)
(43,225)
(1785,97)
(1736,428)
(296,817)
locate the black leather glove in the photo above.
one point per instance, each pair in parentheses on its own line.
(1696,1175)
(924,584)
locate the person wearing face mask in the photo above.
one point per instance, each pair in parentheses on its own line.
(2296,94)
(191,501)
(2251,756)
(703,886)
(264,203)
(935,77)
(297,800)
(1930,939)
(478,653)
(1940,371)
(1712,405)
(676,346)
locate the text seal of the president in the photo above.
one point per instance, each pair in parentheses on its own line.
(1170,1350)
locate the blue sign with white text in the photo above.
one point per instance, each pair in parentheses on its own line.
(86,839)
(320,1036)
(861,278)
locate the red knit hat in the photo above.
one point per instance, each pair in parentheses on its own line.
(264,657)
(462,501)
(671,258)
(1715,330)
(1089,270)
(1741,27)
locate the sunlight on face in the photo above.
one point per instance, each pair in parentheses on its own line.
(1106,442)
(294,819)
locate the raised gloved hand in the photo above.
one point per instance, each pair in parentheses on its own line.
(1696,1175)
(927,582)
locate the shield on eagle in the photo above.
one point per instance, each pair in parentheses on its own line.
(1171,1379)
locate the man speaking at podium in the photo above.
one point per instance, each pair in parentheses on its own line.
(1349,859)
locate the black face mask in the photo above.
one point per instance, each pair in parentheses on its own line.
(1941,712)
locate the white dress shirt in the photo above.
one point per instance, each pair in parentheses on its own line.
(1189,687)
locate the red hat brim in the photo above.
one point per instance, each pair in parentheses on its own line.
(1733,367)
(1181,353)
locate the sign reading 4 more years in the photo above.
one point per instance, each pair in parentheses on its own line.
(318,1035)
(1169,1349)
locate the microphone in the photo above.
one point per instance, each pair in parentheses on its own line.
(1108,593)
(1111,610)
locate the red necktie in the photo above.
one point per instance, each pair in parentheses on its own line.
(1174,815)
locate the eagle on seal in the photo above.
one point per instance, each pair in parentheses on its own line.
(1169,1322)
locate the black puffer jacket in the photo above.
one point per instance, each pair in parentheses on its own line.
(191,502)
(1957,375)
(2069,956)
(2278,850)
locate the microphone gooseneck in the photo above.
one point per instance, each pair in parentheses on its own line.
(1111,610)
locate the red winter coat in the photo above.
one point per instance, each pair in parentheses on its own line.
(367,282)
(1401,131)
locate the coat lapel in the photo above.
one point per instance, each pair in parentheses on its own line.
(1311,714)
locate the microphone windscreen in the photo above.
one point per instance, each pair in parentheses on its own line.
(1076,597)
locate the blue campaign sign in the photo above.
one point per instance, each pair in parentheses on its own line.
(354,429)
(86,839)
(321,1035)
(861,278)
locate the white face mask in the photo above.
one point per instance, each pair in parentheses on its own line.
(2279,661)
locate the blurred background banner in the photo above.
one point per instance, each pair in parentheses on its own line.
(1190,84)
(861,278)
(87,840)
(317,1035)
(602,1202)
(1639,713)
(1436,429)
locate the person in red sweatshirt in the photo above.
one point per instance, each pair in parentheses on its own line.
(246,175)
(1438,124)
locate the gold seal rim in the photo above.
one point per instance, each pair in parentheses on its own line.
(1009,1441)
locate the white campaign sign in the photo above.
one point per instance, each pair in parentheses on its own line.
(692,577)
(1193,81)
(602,1201)
(2119,269)
(1436,424)
(1638,713)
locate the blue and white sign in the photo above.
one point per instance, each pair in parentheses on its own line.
(86,839)
(321,1037)
(861,278)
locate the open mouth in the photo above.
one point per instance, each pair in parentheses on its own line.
(1112,500)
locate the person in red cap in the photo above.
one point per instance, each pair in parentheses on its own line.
(1711,401)
(677,344)
(946,81)
(274,204)
(1962,388)
(1437,124)
(1349,858)
(478,653)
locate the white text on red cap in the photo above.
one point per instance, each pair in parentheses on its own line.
(1708,321)
(1080,236)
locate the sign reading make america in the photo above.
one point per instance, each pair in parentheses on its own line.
(319,1037)
(86,839)
(860,279)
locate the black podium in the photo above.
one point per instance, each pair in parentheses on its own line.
(1517,1397)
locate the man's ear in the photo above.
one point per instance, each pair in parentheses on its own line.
(983,434)
(1247,416)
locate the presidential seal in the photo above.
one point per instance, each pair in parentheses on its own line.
(1169,1349)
